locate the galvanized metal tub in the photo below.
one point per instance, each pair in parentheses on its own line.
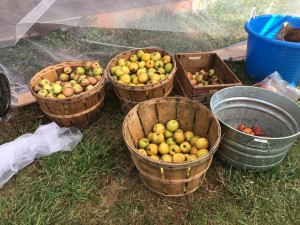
(277,115)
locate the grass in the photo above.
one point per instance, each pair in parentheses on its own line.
(97,182)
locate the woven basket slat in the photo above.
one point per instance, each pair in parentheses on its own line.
(166,110)
(148,117)
(136,129)
(146,167)
(202,122)
(129,96)
(79,110)
(185,116)
(174,181)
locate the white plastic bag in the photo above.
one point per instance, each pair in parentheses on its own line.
(47,139)
(275,83)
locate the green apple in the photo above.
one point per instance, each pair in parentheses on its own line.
(56,89)
(161,71)
(211,72)
(152,149)
(168,67)
(168,134)
(134,58)
(42,93)
(142,70)
(172,125)
(80,70)
(159,64)
(166,158)
(163,148)
(97,71)
(47,87)
(121,62)
(139,53)
(194,139)
(141,64)
(125,69)
(126,79)
(44,82)
(143,143)
(112,70)
(171,141)
(162,76)
(51,95)
(135,80)
(185,147)
(155,56)
(159,128)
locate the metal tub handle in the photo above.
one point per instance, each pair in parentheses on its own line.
(267,149)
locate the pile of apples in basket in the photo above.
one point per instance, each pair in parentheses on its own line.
(71,81)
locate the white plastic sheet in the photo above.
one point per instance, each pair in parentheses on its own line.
(47,139)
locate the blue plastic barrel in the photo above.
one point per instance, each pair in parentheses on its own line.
(266,55)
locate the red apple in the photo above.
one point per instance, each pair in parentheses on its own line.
(256,130)
(242,127)
(248,130)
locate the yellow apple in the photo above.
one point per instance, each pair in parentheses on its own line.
(178,158)
(143,152)
(194,150)
(152,149)
(159,128)
(145,57)
(178,137)
(172,125)
(185,147)
(158,138)
(202,152)
(174,149)
(194,139)
(202,143)
(166,158)
(163,148)
(188,135)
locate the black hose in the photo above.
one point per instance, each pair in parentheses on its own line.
(5,95)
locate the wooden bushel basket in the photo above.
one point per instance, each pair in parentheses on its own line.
(170,179)
(129,96)
(77,111)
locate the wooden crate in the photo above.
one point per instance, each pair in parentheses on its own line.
(129,96)
(77,111)
(170,179)
(193,62)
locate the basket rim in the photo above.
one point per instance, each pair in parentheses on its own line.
(169,165)
(145,87)
(84,94)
